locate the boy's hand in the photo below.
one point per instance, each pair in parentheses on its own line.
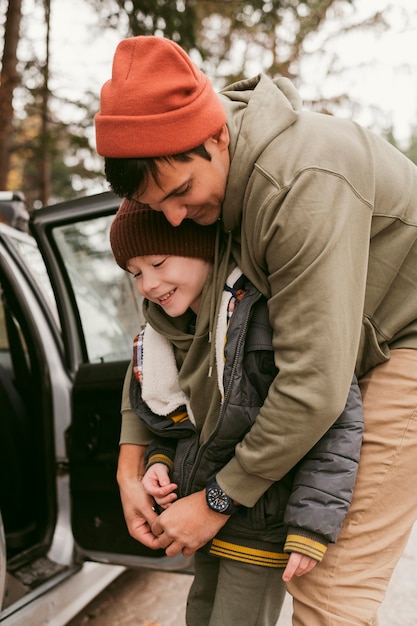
(158,485)
(298,564)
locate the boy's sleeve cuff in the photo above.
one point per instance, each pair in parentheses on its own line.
(160,458)
(305,542)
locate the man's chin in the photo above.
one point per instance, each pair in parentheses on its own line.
(206,217)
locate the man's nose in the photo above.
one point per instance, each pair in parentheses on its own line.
(174,212)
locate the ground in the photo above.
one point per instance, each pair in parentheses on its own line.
(146,598)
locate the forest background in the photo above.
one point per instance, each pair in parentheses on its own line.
(348,58)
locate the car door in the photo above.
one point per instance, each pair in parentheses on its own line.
(100,313)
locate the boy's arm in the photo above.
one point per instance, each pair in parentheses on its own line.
(157,483)
(160,454)
(298,565)
(325,479)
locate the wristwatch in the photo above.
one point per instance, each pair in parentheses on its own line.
(218,500)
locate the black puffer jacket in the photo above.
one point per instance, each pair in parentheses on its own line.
(304,511)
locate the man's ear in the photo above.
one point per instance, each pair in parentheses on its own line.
(222,138)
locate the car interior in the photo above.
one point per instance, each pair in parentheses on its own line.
(26,447)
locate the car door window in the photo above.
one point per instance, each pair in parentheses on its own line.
(109,307)
(35,265)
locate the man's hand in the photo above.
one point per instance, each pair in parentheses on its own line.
(137,505)
(187,525)
(298,564)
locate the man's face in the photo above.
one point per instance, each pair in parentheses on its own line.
(191,190)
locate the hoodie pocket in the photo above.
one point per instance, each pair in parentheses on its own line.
(373,350)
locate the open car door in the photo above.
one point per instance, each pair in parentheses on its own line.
(100,313)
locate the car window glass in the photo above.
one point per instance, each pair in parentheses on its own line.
(35,264)
(108,303)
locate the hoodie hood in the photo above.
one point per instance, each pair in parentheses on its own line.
(251,106)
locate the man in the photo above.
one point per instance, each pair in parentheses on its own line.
(324,221)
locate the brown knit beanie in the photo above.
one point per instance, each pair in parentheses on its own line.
(157,102)
(138,230)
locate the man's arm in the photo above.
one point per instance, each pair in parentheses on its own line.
(317,247)
(137,505)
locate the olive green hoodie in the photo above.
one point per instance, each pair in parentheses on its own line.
(323,215)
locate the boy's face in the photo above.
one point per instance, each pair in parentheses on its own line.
(194,189)
(173,282)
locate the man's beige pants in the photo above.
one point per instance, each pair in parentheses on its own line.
(348,586)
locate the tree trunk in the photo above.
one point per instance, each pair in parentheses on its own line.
(45,161)
(9,79)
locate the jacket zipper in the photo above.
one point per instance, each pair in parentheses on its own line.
(242,335)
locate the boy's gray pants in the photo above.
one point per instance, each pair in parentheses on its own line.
(227,593)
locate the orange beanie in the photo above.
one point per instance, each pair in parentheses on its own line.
(157,103)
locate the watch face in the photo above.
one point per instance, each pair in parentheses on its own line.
(217,499)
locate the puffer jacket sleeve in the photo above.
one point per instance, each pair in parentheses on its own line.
(324,481)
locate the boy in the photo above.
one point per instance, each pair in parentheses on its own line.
(196,401)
